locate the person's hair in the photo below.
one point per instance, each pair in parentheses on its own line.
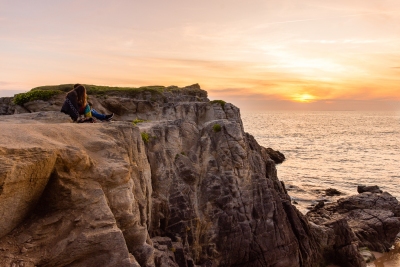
(81,93)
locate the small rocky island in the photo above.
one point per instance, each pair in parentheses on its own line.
(173,181)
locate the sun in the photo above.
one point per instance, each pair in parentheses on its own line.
(303,98)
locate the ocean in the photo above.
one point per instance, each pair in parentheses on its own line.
(332,149)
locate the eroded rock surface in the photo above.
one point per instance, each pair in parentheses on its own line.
(73,195)
(198,191)
(214,191)
(372,218)
(371,189)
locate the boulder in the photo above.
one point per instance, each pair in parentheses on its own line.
(372,218)
(275,155)
(371,189)
(332,192)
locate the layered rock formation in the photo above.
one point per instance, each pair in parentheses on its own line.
(187,187)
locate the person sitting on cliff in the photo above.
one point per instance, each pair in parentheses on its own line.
(76,104)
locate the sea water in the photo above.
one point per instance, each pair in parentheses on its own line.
(332,149)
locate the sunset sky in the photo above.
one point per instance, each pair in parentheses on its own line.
(257,54)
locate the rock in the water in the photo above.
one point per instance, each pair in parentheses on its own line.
(332,192)
(371,189)
(319,205)
(275,155)
(367,255)
(373,218)
(342,250)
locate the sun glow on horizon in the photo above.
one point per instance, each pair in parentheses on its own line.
(302,53)
(303,98)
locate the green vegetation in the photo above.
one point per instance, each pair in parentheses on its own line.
(217,128)
(178,155)
(221,102)
(136,121)
(145,137)
(156,91)
(110,90)
(132,91)
(20,99)
(62,87)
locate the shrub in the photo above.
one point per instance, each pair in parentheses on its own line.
(156,91)
(99,90)
(62,87)
(221,102)
(136,121)
(20,99)
(217,128)
(145,137)
(131,91)
(178,155)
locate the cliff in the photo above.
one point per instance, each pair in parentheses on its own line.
(183,186)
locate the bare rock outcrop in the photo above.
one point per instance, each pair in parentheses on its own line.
(7,107)
(187,187)
(73,195)
(275,155)
(371,189)
(371,219)
(170,104)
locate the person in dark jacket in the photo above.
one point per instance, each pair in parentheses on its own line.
(76,104)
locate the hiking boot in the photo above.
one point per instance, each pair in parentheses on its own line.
(109,117)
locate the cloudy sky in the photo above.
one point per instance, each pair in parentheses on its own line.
(257,54)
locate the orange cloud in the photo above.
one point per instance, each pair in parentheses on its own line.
(301,53)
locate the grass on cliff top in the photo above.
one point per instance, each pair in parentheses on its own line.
(221,102)
(102,90)
(20,99)
(46,92)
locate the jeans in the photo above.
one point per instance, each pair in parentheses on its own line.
(98,115)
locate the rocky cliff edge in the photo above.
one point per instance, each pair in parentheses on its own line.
(182,186)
